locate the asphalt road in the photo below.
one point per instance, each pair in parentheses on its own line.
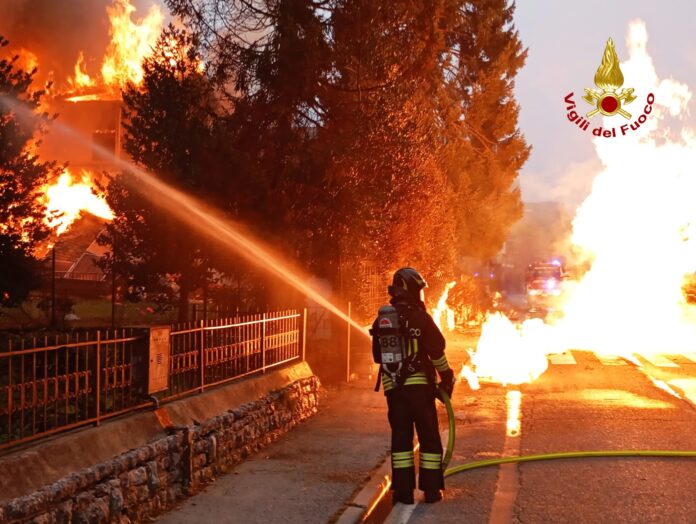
(580,403)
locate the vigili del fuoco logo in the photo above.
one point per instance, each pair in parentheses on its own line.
(609,99)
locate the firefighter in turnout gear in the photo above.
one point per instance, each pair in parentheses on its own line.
(409,347)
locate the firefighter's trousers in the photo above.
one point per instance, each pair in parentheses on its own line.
(409,406)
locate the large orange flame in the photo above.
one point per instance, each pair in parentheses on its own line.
(638,227)
(508,354)
(69,197)
(131,41)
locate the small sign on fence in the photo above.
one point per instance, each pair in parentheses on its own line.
(159,359)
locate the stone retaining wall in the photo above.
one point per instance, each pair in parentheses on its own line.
(142,482)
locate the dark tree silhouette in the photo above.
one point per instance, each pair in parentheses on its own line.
(490,150)
(22,176)
(169,123)
(373,131)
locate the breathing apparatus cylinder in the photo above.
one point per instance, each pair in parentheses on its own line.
(392,340)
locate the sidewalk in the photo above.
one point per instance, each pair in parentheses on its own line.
(309,475)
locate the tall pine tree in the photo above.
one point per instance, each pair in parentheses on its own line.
(169,123)
(489,151)
(269,59)
(377,131)
(383,130)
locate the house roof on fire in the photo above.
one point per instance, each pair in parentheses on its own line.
(77,249)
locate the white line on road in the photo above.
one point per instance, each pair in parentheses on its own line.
(401,513)
(508,484)
(687,386)
(565,358)
(690,355)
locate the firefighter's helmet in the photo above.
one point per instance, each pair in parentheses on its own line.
(407,283)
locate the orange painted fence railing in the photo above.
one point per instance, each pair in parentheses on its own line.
(53,384)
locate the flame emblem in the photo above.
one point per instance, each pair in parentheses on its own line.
(609,80)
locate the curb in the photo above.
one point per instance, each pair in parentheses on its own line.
(369,504)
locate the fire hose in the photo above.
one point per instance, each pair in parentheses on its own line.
(532,458)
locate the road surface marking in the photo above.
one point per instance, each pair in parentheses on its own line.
(610,360)
(401,513)
(565,358)
(690,355)
(508,484)
(659,360)
(687,386)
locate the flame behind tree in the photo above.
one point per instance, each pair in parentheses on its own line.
(69,197)
(26,60)
(443,310)
(22,177)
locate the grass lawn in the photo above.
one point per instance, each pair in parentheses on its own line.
(89,312)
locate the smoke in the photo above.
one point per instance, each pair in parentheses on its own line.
(56,31)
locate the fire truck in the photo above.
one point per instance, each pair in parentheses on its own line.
(544,283)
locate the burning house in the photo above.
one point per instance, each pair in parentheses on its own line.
(84,65)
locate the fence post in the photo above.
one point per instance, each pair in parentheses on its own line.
(263,343)
(98,378)
(113,298)
(201,360)
(304,335)
(348,347)
(10,392)
(53,287)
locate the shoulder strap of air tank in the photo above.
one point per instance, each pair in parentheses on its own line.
(379,379)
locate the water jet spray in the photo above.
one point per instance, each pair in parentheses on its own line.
(189,210)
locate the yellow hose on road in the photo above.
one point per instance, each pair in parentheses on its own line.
(566,455)
(543,456)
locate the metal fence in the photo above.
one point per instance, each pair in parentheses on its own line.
(51,385)
(231,348)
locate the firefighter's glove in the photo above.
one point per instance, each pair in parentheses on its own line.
(446,383)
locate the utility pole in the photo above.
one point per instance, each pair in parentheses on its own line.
(113,298)
(113,287)
(53,287)
(348,346)
(205,300)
